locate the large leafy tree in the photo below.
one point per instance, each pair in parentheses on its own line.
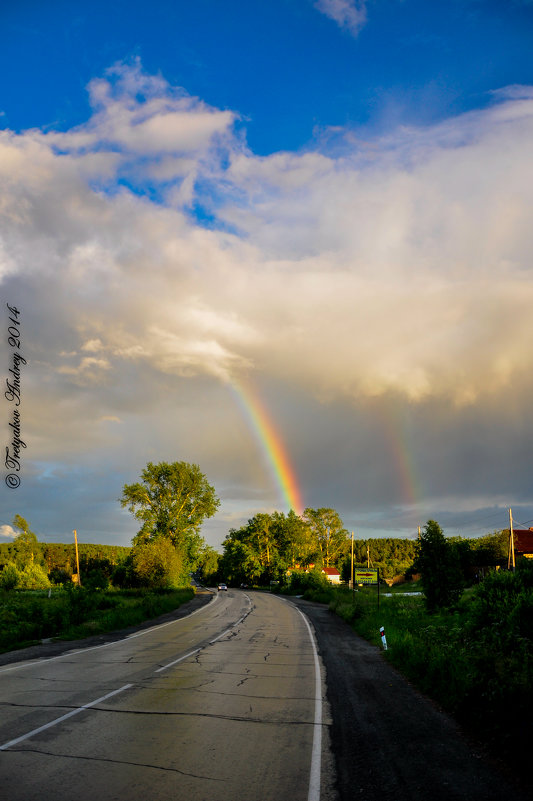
(269,544)
(26,545)
(240,561)
(261,550)
(171,501)
(295,539)
(329,535)
(439,566)
(207,563)
(250,552)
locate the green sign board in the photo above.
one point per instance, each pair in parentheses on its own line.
(369,576)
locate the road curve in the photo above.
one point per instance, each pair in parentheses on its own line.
(223,704)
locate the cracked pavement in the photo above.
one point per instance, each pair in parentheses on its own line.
(217,705)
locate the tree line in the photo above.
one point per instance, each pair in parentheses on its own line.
(27,563)
(270,546)
(172,500)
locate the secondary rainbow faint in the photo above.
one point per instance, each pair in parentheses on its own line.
(394,427)
(271,443)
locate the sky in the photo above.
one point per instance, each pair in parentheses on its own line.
(286,240)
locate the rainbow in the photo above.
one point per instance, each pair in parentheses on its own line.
(395,430)
(271,444)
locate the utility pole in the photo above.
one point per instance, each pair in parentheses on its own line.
(510,559)
(353,588)
(77,558)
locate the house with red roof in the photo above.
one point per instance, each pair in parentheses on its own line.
(332,574)
(523,542)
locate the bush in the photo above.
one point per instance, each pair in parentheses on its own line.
(96,579)
(33,577)
(59,575)
(313,585)
(9,577)
(499,602)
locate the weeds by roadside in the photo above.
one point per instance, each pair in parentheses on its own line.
(475,660)
(27,617)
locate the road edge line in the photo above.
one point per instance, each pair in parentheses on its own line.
(316,751)
(70,714)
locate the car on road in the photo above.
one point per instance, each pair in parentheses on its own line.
(222,587)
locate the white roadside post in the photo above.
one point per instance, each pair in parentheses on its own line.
(383,638)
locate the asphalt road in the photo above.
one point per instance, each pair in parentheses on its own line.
(225,704)
(231,703)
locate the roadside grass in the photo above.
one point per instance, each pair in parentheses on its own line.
(406,588)
(475,660)
(27,617)
(430,650)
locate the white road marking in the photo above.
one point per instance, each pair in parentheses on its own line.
(316,753)
(220,636)
(191,653)
(175,662)
(17,740)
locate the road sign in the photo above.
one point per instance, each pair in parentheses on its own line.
(368,576)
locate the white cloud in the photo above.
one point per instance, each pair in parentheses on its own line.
(92,345)
(140,127)
(348,14)
(8,532)
(88,369)
(397,266)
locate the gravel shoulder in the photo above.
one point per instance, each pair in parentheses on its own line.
(388,740)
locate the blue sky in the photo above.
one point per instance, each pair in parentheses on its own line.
(286,68)
(328,199)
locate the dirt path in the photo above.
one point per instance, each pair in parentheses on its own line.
(389,741)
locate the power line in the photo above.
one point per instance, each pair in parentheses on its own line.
(523,524)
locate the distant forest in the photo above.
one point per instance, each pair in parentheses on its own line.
(394,556)
(60,558)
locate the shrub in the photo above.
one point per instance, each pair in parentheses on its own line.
(501,603)
(33,577)
(9,577)
(158,564)
(313,585)
(438,562)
